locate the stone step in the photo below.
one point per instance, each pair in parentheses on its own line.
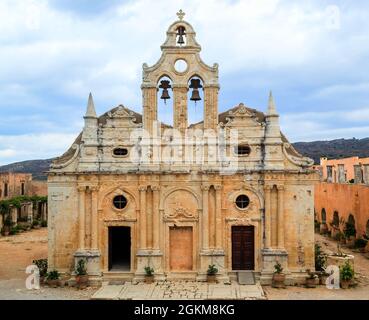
(246,277)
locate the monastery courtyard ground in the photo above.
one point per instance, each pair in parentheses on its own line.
(17,252)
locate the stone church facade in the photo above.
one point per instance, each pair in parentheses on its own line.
(230,190)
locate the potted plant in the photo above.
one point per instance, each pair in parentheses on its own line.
(36,224)
(52,278)
(149,274)
(347,274)
(279,277)
(42,267)
(320,264)
(311,279)
(211,274)
(350,233)
(81,274)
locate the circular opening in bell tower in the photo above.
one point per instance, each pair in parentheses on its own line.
(180,65)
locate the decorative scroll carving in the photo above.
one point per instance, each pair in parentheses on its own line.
(75,147)
(299,161)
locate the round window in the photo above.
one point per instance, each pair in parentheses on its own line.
(120,202)
(242,201)
(120,152)
(180,65)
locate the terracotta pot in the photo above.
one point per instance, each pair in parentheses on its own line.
(82,281)
(278,280)
(53,283)
(323,279)
(345,284)
(149,279)
(310,282)
(212,278)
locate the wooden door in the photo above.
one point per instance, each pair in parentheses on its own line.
(243,248)
(180,248)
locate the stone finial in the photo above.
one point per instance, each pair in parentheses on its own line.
(91,112)
(180,14)
(271,105)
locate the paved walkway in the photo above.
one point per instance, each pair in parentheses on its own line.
(178,290)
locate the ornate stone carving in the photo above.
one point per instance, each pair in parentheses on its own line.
(179,212)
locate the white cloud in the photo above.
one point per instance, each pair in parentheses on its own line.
(33,146)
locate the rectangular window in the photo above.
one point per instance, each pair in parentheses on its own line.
(22,189)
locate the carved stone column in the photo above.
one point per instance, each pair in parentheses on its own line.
(205,217)
(150,106)
(156,217)
(280,236)
(94,219)
(143,224)
(268,218)
(82,224)
(211,106)
(218,217)
(180,108)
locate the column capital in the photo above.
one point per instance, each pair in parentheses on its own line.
(155,188)
(142,188)
(280,187)
(268,187)
(81,188)
(205,187)
(218,187)
(94,188)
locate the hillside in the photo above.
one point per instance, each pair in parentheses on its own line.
(340,148)
(36,167)
(334,149)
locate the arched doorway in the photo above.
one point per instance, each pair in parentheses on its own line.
(324,216)
(336,219)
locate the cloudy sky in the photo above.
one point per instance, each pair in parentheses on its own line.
(314,55)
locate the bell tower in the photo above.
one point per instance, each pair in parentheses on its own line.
(181,63)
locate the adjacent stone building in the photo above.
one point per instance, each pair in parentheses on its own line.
(352,169)
(134,192)
(14,185)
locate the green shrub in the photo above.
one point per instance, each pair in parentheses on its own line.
(278,268)
(349,230)
(53,275)
(42,266)
(43,223)
(13,230)
(320,258)
(360,243)
(81,269)
(346,271)
(149,271)
(212,269)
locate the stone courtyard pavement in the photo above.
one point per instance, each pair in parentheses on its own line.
(179,290)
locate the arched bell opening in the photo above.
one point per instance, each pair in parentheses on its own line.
(165,100)
(181,37)
(195,98)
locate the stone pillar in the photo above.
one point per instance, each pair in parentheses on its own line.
(156,217)
(211,106)
(29,209)
(268,218)
(180,108)
(143,224)
(280,236)
(205,217)
(218,218)
(94,219)
(82,224)
(150,106)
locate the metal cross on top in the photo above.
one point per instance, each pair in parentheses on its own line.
(180,14)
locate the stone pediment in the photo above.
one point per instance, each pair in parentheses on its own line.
(122,117)
(241,116)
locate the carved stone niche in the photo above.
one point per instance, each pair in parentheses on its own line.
(181,205)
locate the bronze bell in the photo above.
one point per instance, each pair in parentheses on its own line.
(195,85)
(180,34)
(195,95)
(164,84)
